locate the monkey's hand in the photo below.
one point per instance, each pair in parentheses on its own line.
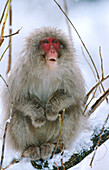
(56,103)
(36,112)
(38,115)
(33,108)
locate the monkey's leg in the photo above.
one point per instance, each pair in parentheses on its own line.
(72,125)
(22,136)
(46,150)
(33,153)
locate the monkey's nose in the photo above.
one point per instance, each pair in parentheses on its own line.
(52,50)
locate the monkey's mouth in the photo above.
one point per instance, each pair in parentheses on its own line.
(52,60)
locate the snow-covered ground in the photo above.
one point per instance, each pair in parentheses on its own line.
(101,161)
(91,20)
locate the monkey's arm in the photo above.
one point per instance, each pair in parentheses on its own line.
(56,103)
(33,108)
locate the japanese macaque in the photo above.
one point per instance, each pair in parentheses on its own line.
(44,80)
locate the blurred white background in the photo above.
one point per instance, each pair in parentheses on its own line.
(90,17)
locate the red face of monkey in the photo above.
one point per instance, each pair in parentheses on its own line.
(51,47)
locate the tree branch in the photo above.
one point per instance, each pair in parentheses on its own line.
(98,102)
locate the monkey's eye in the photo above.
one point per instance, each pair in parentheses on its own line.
(45,41)
(55,41)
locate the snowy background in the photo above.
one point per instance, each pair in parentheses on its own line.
(91,19)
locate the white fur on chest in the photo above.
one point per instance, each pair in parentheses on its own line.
(45,85)
(46,88)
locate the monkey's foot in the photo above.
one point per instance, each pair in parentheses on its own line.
(46,150)
(37,153)
(33,153)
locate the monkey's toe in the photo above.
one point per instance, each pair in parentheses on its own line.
(33,153)
(46,150)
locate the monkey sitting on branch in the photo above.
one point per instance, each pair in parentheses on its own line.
(44,80)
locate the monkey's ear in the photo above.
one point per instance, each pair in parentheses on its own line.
(61,46)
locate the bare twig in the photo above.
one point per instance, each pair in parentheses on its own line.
(90,66)
(10,38)
(5,51)
(61,120)
(4,82)
(56,165)
(99,141)
(6,36)
(78,36)
(96,85)
(56,145)
(98,77)
(98,102)
(3,146)
(68,25)
(12,163)
(60,136)
(3,13)
(7,122)
(3,27)
(89,101)
(4,136)
(10,35)
(62,164)
(101,62)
